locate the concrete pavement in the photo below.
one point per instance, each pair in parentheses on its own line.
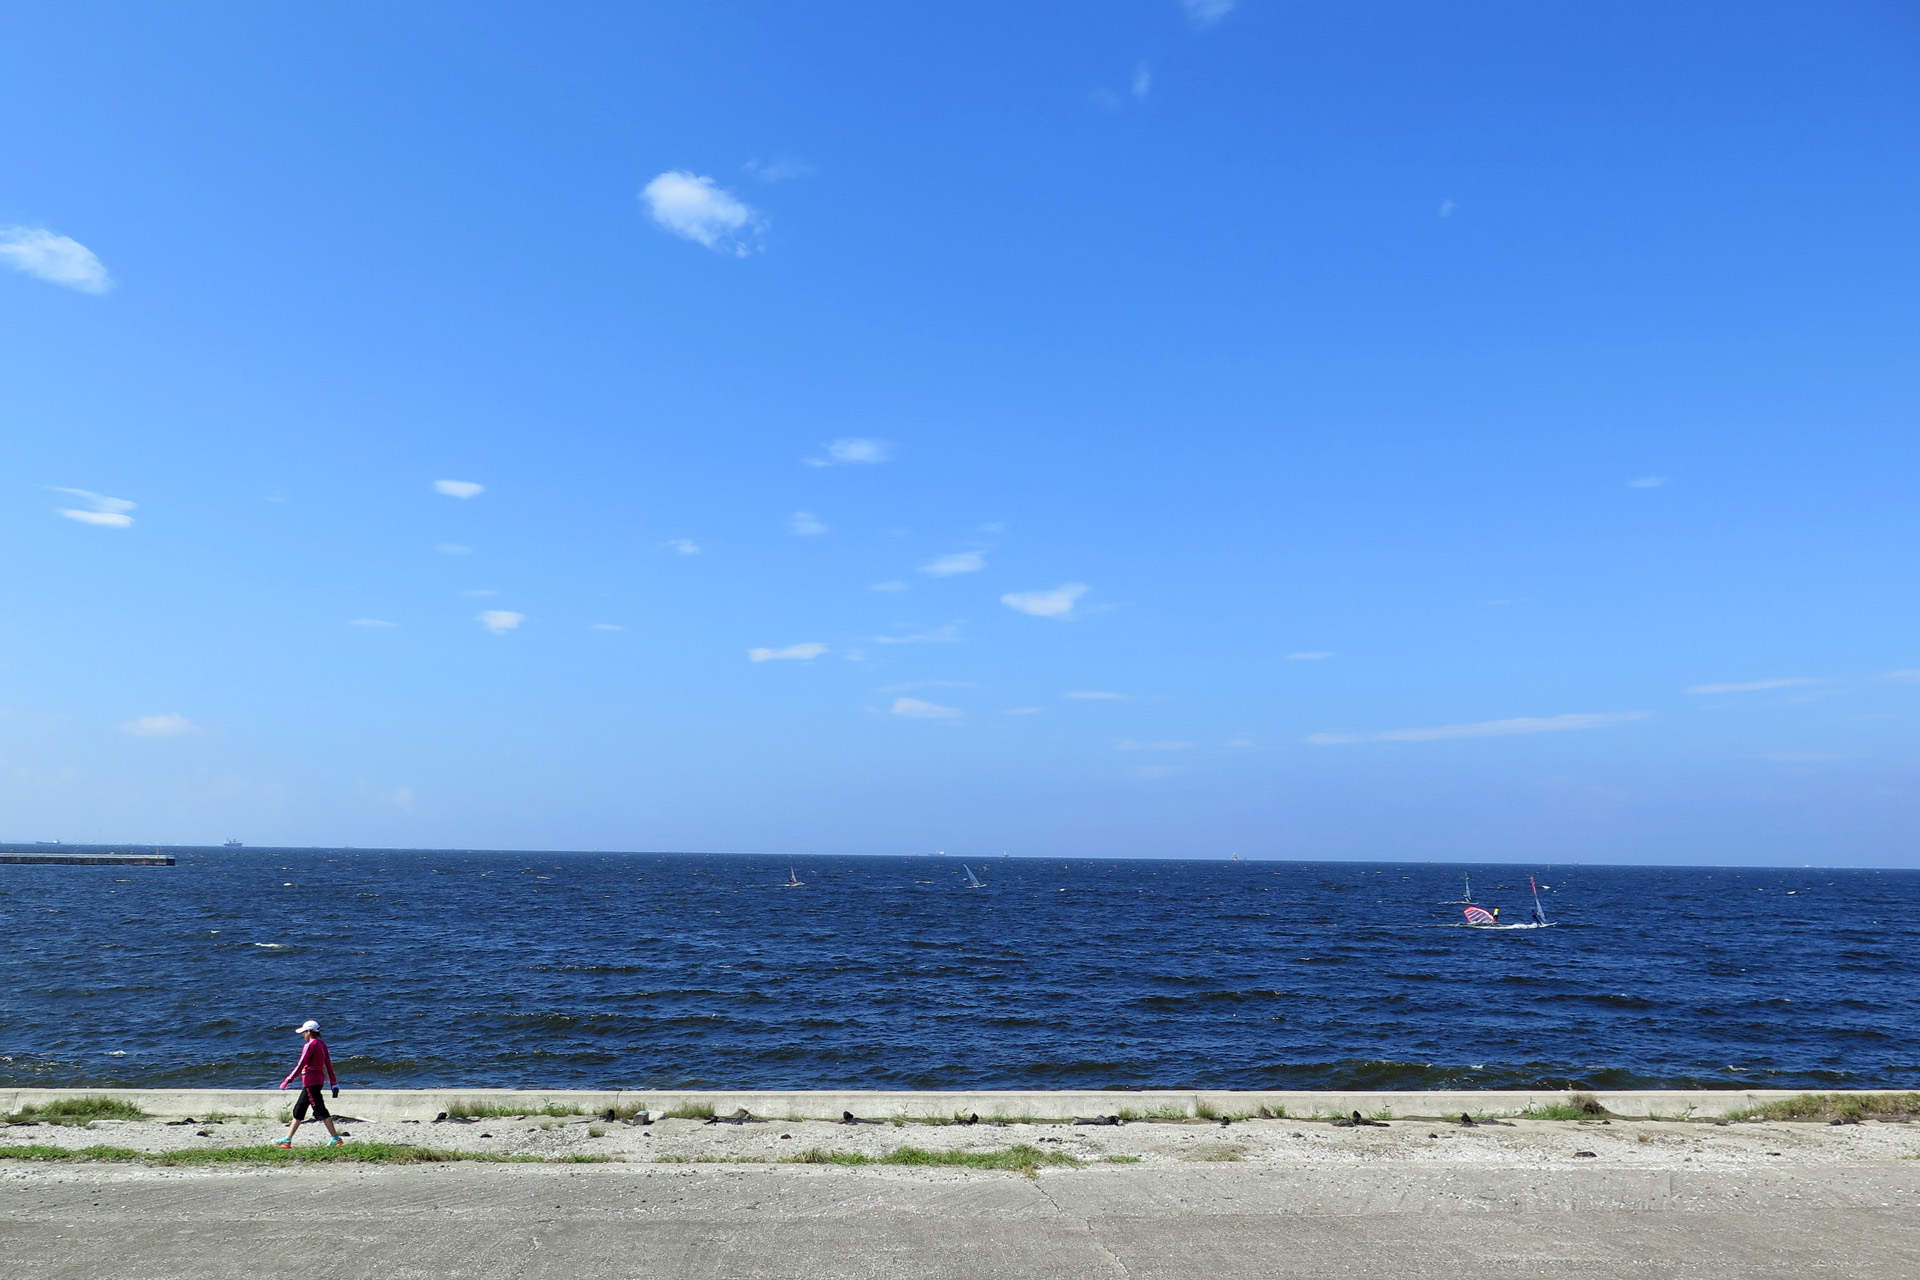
(638,1222)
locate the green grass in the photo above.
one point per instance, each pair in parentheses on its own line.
(1019,1158)
(77,1111)
(1578,1106)
(1157,1113)
(1122,1160)
(1834,1106)
(498,1111)
(349,1153)
(701,1111)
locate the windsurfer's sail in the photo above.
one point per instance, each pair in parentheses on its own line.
(1478,915)
(973,881)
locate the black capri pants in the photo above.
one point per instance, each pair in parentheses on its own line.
(312,1095)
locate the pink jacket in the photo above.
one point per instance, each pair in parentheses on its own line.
(315,1065)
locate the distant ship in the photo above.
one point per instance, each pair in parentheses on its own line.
(231,844)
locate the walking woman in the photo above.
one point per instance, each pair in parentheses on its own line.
(315,1069)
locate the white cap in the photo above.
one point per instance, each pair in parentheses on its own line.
(308,1025)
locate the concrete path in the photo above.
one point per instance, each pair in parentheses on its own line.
(477,1222)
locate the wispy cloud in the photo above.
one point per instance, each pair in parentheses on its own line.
(915,709)
(1128,744)
(1204,13)
(1648,482)
(1310,655)
(459,488)
(1055,603)
(852,449)
(785,169)
(949,634)
(905,685)
(1755,686)
(108,513)
(453,549)
(56,259)
(792,653)
(170,725)
(1142,81)
(606,626)
(697,209)
(1484,728)
(683,546)
(1905,675)
(805,524)
(500,621)
(1096,695)
(888,586)
(1447,207)
(958,562)
(372,623)
(1022,711)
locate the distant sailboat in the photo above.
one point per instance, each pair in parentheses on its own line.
(973,881)
(1465,899)
(793,881)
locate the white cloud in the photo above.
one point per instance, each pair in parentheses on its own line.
(1447,207)
(915,709)
(805,524)
(1056,603)
(109,513)
(1905,675)
(1484,728)
(929,684)
(1021,711)
(684,546)
(958,562)
(452,549)
(696,209)
(1310,655)
(401,798)
(170,725)
(459,488)
(55,259)
(888,586)
(606,626)
(1142,81)
(1128,744)
(501,621)
(785,169)
(1096,695)
(1648,482)
(852,449)
(370,622)
(794,652)
(1204,13)
(949,634)
(1754,686)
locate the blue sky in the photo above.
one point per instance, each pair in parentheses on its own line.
(1480,431)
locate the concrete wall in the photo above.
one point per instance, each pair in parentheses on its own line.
(424,1104)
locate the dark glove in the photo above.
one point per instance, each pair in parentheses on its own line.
(336,1091)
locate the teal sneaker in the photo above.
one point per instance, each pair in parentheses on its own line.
(285,1144)
(335,1141)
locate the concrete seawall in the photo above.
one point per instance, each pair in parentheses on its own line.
(1037,1105)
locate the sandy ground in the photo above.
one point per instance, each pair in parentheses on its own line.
(1642,1144)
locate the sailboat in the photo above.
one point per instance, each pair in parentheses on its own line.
(793,881)
(973,881)
(1465,899)
(1479,917)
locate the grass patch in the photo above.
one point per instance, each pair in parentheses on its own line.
(702,1111)
(1019,1158)
(498,1111)
(77,1111)
(349,1153)
(1836,1106)
(1578,1106)
(1122,1160)
(1157,1113)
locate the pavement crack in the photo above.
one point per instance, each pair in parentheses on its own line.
(1086,1225)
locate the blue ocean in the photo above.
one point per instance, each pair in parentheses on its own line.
(702,971)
